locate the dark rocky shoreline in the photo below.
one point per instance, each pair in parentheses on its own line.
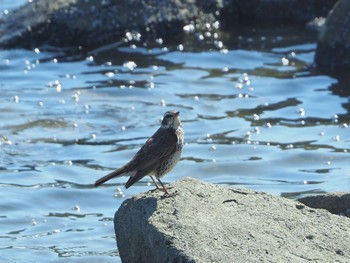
(93,23)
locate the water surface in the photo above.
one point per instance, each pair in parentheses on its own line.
(255,116)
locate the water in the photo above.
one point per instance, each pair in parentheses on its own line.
(254,117)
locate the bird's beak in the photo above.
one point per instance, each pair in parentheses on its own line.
(177,113)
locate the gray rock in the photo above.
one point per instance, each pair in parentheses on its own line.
(333,49)
(335,203)
(203,222)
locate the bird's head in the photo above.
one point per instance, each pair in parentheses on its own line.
(171,120)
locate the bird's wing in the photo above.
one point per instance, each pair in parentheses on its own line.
(154,151)
(157,148)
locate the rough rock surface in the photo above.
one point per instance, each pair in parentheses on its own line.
(203,222)
(333,49)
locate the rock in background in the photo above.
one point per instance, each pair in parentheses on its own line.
(209,223)
(95,23)
(336,203)
(333,47)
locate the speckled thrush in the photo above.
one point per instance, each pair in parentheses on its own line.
(157,156)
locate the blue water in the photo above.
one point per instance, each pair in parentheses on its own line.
(253,118)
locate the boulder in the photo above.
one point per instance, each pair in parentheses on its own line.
(202,222)
(336,203)
(94,23)
(275,12)
(333,46)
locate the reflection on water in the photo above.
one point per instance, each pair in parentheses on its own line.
(255,118)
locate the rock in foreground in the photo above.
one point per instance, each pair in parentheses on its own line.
(210,223)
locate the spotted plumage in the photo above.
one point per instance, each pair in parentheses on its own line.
(157,156)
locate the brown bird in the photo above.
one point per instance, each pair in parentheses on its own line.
(157,156)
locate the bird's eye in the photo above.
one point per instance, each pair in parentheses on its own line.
(168,116)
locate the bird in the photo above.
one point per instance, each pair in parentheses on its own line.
(158,156)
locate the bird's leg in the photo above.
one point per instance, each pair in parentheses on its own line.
(165,190)
(155,183)
(158,187)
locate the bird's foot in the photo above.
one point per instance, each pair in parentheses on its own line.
(167,195)
(165,191)
(162,189)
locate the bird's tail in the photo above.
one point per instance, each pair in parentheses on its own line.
(116,173)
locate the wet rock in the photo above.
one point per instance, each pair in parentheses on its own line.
(95,23)
(336,203)
(203,222)
(333,49)
(276,12)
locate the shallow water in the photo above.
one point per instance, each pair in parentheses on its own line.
(254,117)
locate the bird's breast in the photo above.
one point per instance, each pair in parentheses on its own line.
(180,137)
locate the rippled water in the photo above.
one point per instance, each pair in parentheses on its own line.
(253,117)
